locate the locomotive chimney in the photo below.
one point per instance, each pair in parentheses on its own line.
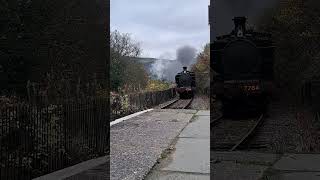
(184,69)
(240,25)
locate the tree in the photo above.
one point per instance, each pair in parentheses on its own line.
(46,35)
(202,69)
(125,73)
(134,75)
(295,30)
(122,45)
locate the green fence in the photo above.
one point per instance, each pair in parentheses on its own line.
(122,105)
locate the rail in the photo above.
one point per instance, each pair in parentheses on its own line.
(179,104)
(245,137)
(230,134)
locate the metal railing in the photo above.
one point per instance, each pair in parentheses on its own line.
(40,139)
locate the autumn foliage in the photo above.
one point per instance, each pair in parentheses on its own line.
(202,70)
(157,85)
(295,28)
(125,74)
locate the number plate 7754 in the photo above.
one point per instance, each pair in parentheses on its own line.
(251,88)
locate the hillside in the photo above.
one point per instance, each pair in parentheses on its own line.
(146,62)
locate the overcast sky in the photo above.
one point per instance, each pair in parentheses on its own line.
(162,26)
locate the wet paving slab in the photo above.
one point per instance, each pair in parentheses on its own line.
(299,162)
(190,157)
(187,158)
(243,165)
(225,170)
(240,165)
(295,167)
(248,157)
(198,128)
(294,176)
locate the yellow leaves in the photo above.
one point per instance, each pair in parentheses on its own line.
(201,67)
(291,14)
(203,60)
(157,85)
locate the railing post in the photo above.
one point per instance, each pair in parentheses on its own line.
(65,133)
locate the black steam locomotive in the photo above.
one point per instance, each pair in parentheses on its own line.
(243,63)
(186,83)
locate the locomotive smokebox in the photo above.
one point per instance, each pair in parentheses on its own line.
(239,25)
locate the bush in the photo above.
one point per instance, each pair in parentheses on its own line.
(157,85)
(125,74)
(295,29)
(202,70)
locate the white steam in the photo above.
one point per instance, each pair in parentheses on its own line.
(167,69)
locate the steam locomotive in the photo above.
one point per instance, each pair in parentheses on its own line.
(243,63)
(186,83)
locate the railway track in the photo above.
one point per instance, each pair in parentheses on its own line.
(230,134)
(179,104)
(216,120)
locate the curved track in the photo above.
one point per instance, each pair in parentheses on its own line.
(229,134)
(179,104)
(216,120)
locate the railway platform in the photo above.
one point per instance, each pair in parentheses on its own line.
(189,157)
(240,165)
(168,144)
(137,143)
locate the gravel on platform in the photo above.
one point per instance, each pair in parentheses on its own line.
(137,144)
(200,102)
